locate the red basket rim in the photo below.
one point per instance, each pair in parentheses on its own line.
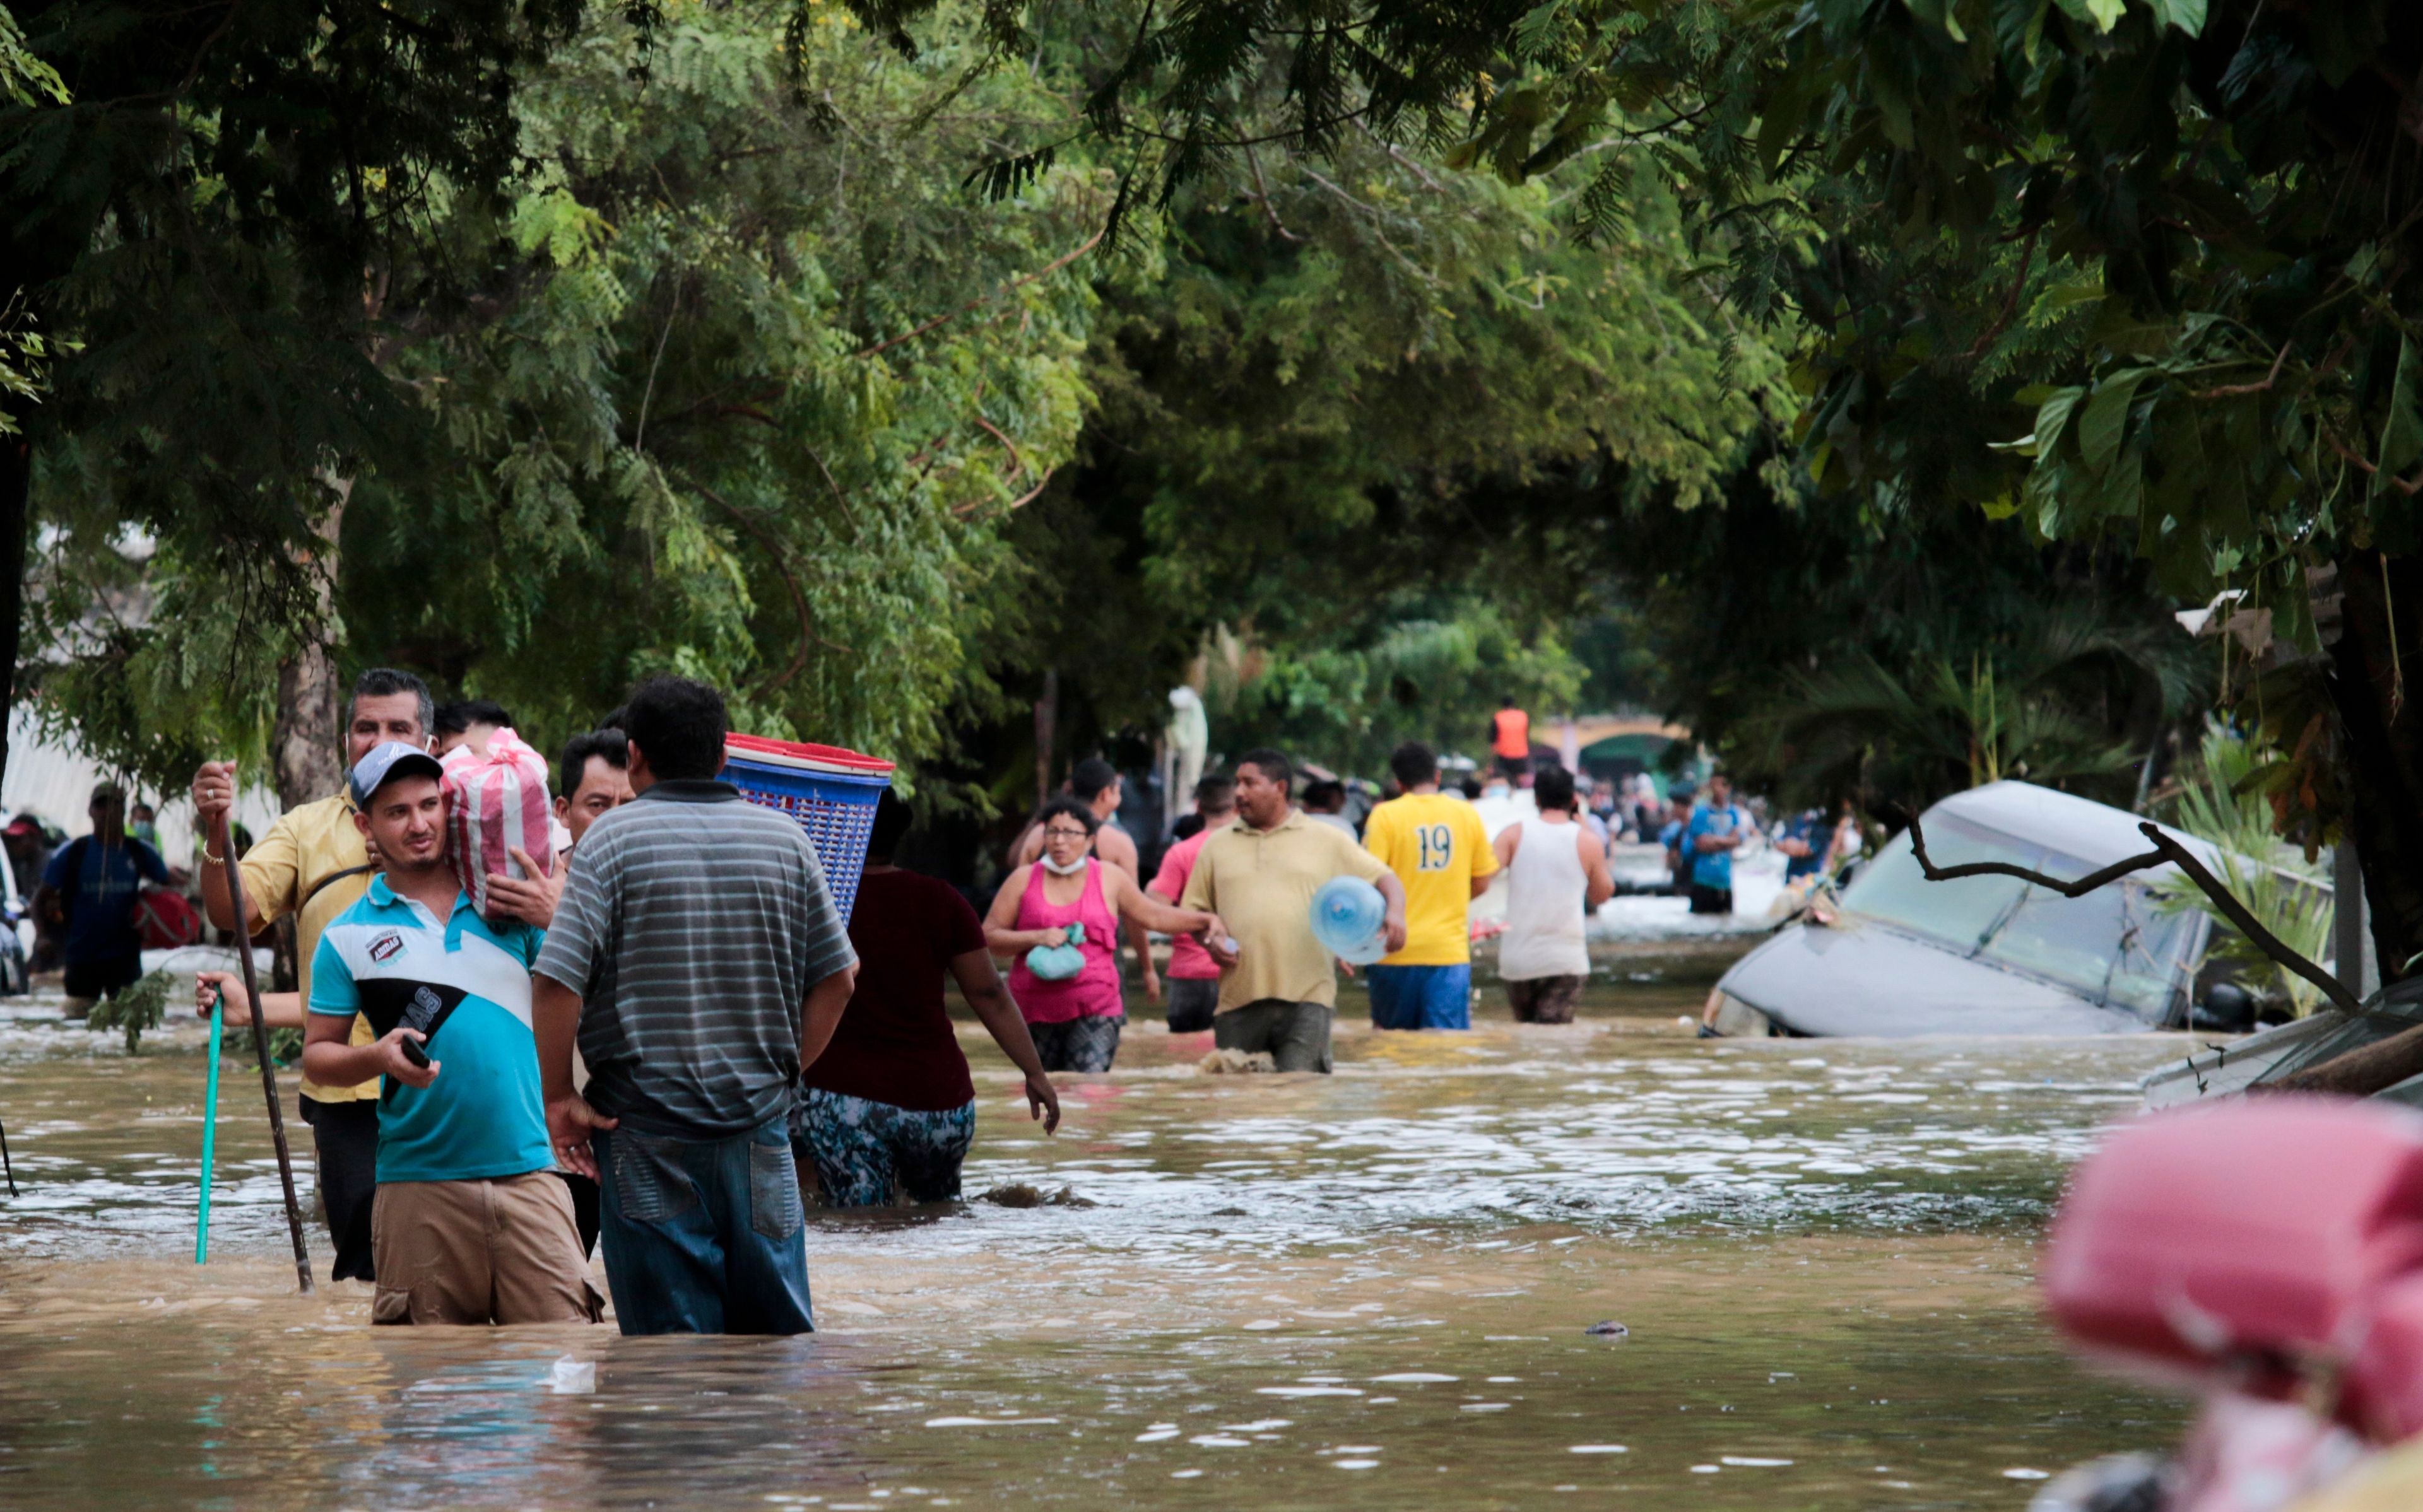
(803,753)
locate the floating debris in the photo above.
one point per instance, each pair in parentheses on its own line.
(1236,1063)
(1020,1194)
(1611,1328)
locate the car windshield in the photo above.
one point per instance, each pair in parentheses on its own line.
(2115,946)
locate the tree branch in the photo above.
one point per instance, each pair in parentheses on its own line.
(2011,305)
(798,599)
(2348,453)
(963,511)
(2166,849)
(2235,390)
(1262,193)
(1044,272)
(994,431)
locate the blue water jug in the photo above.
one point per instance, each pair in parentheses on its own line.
(1348,918)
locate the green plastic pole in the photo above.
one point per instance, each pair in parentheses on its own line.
(210,1132)
(268,1068)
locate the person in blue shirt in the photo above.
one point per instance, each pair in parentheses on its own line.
(91,886)
(1718,827)
(470,1224)
(1669,834)
(1805,837)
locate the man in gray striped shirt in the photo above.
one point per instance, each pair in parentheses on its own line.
(700,955)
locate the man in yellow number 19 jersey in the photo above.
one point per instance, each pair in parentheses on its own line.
(1439,849)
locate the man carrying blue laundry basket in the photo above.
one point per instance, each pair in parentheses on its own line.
(699,956)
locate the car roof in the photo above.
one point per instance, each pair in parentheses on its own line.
(2079,828)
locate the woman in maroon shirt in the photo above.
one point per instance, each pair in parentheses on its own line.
(888,1109)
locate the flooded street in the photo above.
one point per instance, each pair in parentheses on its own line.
(1285,1292)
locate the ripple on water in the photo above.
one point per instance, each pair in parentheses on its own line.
(1775,1228)
(1619,1134)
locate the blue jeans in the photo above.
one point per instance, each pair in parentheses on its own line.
(703,1236)
(1422,996)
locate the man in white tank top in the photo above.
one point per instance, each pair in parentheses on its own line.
(1556,873)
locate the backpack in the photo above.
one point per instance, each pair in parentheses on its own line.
(166,920)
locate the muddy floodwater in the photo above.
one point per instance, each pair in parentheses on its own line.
(1362,1291)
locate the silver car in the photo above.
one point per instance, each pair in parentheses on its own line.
(1985,955)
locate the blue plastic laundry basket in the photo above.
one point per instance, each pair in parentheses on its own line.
(830,790)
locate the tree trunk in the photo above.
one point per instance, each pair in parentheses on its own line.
(16,490)
(307,747)
(1047,714)
(2367,608)
(2377,683)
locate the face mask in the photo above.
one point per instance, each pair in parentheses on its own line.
(1058,870)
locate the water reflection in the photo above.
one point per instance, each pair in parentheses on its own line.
(1339,1293)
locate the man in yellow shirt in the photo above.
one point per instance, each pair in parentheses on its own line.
(313,864)
(1278,986)
(1439,849)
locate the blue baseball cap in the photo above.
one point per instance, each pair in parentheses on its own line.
(387,761)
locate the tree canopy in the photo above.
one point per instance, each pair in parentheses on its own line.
(892,365)
(731,368)
(2130,271)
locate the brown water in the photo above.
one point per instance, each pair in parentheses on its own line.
(1360,1291)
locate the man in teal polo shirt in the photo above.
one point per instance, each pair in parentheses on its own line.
(470,1224)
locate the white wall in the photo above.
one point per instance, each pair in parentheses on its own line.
(55,781)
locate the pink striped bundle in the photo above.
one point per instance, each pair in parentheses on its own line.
(494,804)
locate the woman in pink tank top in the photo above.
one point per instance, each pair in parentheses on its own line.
(1075,1020)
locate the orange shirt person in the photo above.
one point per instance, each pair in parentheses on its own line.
(1510,739)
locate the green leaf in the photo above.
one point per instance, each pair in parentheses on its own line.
(1936,13)
(2401,431)
(1893,108)
(1787,108)
(2052,417)
(2186,15)
(2104,423)
(1535,34)
(2120,494)
(2102,14)
(2128,334)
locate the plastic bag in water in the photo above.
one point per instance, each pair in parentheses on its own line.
(1058,963)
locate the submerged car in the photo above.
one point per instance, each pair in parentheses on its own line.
(1903,955)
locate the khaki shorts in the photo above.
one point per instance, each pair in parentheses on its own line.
(503,1250)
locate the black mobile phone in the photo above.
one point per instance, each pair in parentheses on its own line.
(413,1052)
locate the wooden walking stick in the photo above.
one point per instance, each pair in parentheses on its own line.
(261,1048)
(210,1133)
